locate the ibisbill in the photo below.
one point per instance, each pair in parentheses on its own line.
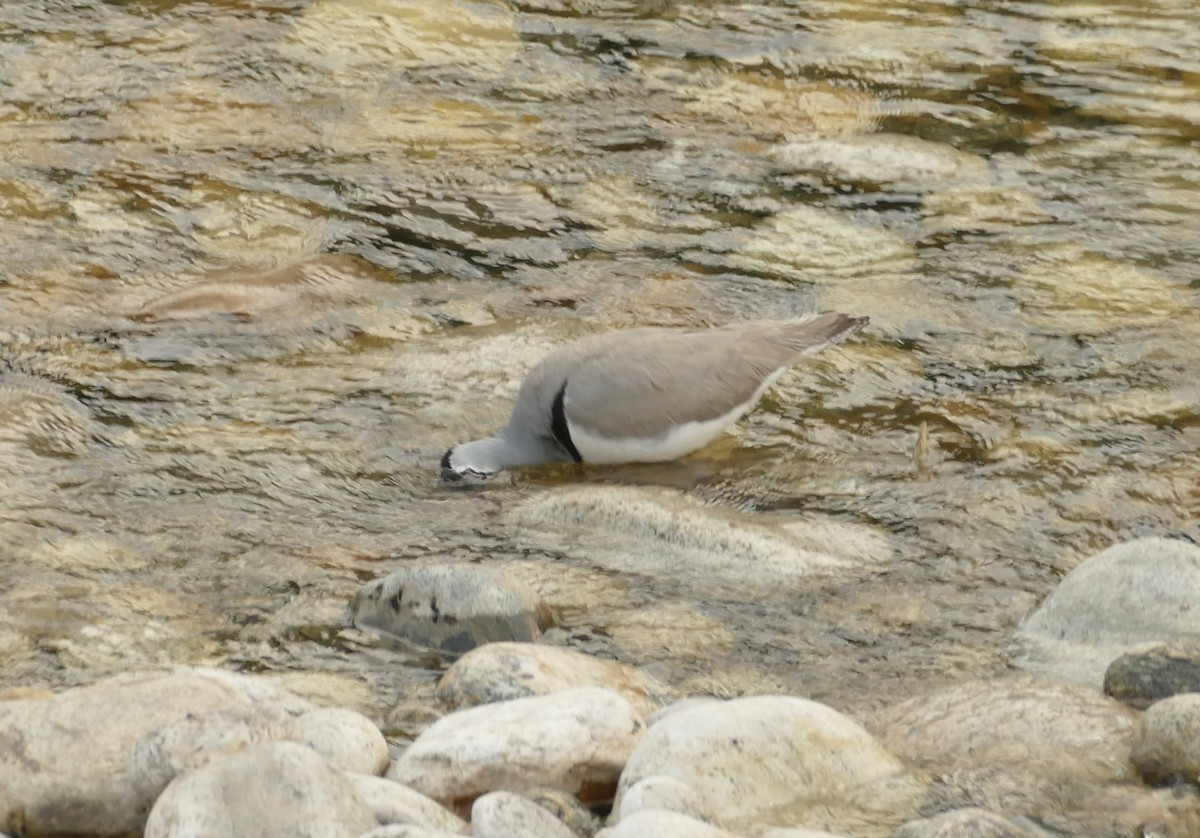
(644,395)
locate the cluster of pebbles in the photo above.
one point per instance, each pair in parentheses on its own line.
(531,740)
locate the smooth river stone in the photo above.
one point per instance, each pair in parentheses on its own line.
(393,803)
(502,814)
(66,761)
(751,756)
(666,793)
(453,607)
(1044,728)
(660,823)
(347,740)
(577,741)
(275,789)
(1131,593)
(504,671)
(1166,746)
(667,534)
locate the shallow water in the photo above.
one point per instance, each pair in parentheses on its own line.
(264,261)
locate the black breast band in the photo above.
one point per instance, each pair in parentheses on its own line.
(558,426)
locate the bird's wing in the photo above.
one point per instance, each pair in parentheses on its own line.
(642,383)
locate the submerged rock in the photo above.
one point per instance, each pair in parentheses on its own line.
(453,607)
(896,162)
(750,756)
(577,741)
(504,671)
(1131,593)
(669,535)
(42,416)
(805,244)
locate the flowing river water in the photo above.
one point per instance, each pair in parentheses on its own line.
(265,260)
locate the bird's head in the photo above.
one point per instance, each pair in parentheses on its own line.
(469,461)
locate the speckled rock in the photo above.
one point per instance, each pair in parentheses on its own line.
(453,607)
(66,760)
(1166,747)
(967,823)
(1131,593)
(799,832)
(659,823)
(750,756)
(276,789)
(1046,728)
(393,803)
(504,671)
(576,740)
(1148,673)
(502,814)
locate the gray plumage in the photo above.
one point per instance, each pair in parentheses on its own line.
(630,395)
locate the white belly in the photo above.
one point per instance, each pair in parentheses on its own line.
(681,439)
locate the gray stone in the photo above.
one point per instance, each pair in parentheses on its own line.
(799,832)
(502,814)
(275,789)
(1132,593)
(1166,747)
(504,671)
(750,756)
(1148,673)
(66,761)
(1045,728)
(393,803)
(967,823)
(453,607)
(577,741)
(659,823)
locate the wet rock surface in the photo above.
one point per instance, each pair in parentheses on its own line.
(453,607)
(1146,674)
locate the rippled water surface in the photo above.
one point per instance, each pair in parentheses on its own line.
(263,261)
